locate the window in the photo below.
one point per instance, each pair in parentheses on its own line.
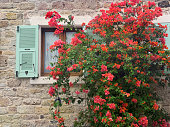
(47,39)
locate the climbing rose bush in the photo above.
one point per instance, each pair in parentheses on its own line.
(121,55)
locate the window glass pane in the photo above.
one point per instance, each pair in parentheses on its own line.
(69,35)
(50,38)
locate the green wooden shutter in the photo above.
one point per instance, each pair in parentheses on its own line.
(27,51)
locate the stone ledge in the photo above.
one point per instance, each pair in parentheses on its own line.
(46,80)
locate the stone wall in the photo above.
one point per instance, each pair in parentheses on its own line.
(21,103)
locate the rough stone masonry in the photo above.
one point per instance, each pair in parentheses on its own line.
(26,105)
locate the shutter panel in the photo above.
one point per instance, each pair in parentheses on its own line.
(27,51)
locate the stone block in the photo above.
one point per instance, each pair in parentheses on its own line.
(2,16)
(17,101)
(35,90)
(42,123)
(63,5)
(26,123)
(26,109)
(67,109)
(164,4)
(30,117)
(42,110)
(12,110)
(20,16)
(18,1)
(22,92)
(7,125)
(9,92)
(46,102)
(15,22)
(4,102)
(3,74)
(31,101)
(3,110)
(4,1)
(10,34)
(11,15)
(42,6)
(4,41)
(2,85)
(6,5)
(3,61)
(8,52)
(26,6)
(106,4)
(3,23)
(13,83)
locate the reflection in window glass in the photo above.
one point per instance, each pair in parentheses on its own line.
(69,35)
(50,38)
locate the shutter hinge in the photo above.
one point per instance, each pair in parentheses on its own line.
(16,73)
(17,28)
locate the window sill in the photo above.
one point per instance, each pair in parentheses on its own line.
(45,80)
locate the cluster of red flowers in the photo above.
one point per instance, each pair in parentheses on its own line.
(51,91)
(143,121)
(117,68)
(53,21)
(99,100)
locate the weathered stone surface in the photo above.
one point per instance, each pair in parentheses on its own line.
(35,90)
(2,16)
(2,85)
(1,92)
(18,1)
(106,4)
(5,102)
(66,109)
(31,101)
(42,123)
(3,74)
(4,41)
(26,6)
(16,101)
(10,34)
(8,52)
(164,4)
(3,23)
(22,92)
(4,1)
(12,110)
(20,16)
(42,110)
(3,61)
(42,6)
(6,5)
(30,117)
(3,110)
(9,92)
(62,5)
(13,82)
(46,102)
(26,123)
(25,109)
(11,16)
(15,22)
